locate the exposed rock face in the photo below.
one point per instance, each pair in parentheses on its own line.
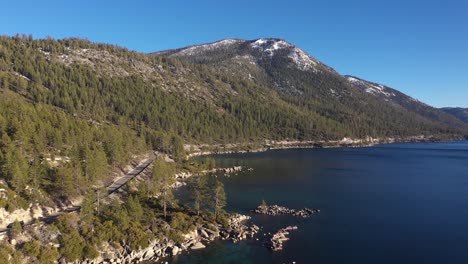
(26,216)
(281,210)
(277,240)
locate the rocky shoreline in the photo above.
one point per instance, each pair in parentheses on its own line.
(160,249)
(281,210)
(225,171)
(204,150)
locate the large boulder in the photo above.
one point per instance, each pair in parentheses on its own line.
(198,245)
(175,250)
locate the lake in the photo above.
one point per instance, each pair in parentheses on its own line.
(396,203)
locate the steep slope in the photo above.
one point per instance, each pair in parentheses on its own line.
(396,98)
(306,83)
(458,112)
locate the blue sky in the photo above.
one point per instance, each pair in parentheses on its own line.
(418,47)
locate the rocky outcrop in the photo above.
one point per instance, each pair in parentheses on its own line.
(277,240)
(238,230)
(194,240)
(34,211)
(226,171)
(281,210)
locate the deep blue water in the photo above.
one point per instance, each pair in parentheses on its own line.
(398,203)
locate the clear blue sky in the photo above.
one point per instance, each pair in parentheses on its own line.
(418,47)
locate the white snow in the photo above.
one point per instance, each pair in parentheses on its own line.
(371,88)
(248,58)
(269,46)
(194,50)
(378,89)
(353,80)
(302,60)
(259,43)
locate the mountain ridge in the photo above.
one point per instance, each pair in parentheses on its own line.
(458,112)
(257,89)
(274,62)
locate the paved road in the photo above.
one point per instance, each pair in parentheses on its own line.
(117,184)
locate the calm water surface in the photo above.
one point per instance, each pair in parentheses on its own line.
(399,203)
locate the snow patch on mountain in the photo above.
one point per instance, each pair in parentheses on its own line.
(301,59)
(250,59)
(269,46)
(375,89)
(199,49)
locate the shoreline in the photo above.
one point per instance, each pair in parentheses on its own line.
(239,148)
(161,250)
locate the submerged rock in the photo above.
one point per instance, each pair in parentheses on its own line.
(277,240)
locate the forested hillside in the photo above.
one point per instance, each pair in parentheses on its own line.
(303,81)
(458,112)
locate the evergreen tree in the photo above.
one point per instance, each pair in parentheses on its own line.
(72,246)
(219,197)
(177,148)
(87,211)
(162,181)
(134,208)
(199,192)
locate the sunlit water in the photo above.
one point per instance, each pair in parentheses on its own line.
(398,203)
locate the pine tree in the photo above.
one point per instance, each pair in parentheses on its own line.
(87,211)
(177,148)
(219,197)
(162,181)
(199,192)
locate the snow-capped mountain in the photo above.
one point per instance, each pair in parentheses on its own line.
(300,58)
(296,77)
(259,49)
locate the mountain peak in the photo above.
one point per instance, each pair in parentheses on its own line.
(261,49)
(271,46)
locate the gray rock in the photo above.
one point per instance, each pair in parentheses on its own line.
(175,250)
(198,245)
(203,233)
